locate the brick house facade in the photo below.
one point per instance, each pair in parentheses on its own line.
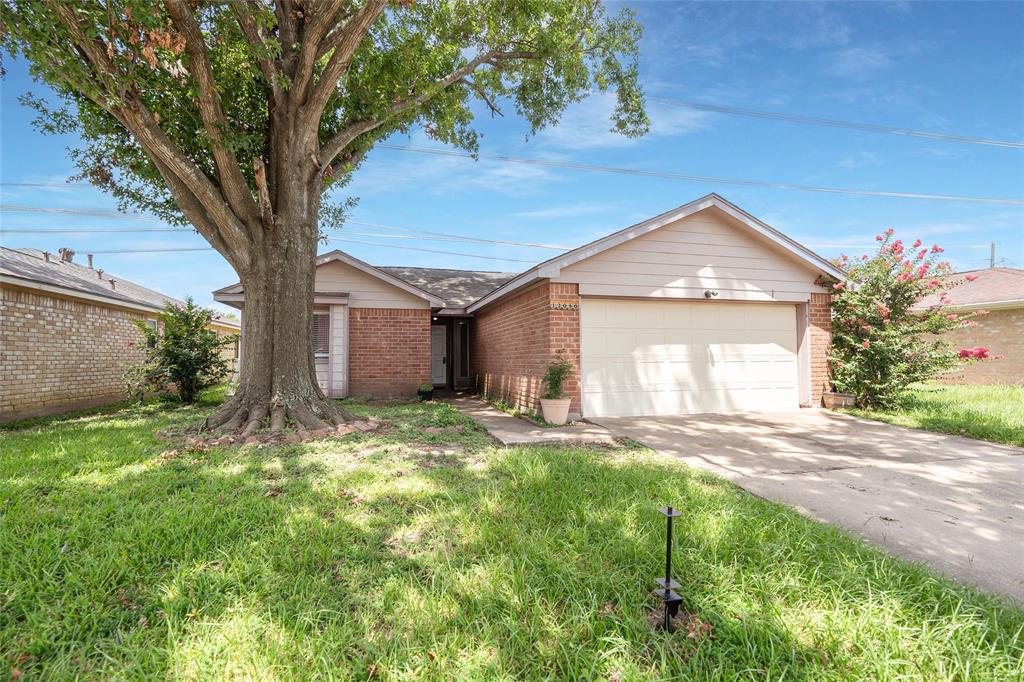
(67,333)
(58,354)
(820,326)
(389,351)
(1002,332)
(516,339)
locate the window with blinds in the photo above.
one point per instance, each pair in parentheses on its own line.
(321,334)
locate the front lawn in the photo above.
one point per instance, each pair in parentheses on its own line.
(989,412)
(425,552)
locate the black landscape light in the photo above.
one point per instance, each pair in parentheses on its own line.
(666,588)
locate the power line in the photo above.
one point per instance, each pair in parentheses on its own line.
(833,123)
(438,236)
(703,178)
(556,247)
(416,248)
(101,213)
(167,250)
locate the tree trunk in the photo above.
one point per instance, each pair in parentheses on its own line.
(277,381)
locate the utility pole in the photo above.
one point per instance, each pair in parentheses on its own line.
(992,254)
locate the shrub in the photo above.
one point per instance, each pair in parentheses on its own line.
(182,354)
(881,343)
(554,377)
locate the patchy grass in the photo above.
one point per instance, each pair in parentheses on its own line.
(987,412)
(422,551)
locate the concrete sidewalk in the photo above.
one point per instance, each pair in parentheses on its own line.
(509,430)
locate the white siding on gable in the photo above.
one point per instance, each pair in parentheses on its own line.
(364,291)
(683,259)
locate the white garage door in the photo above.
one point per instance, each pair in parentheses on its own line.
(681,357)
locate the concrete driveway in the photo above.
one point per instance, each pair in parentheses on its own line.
(956,504)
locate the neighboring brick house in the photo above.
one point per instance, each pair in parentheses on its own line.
(1000,291)
(700,309)
(67,332)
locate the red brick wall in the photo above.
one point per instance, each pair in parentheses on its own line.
(1002,332)
(388,352)
(515,339)
(819,314)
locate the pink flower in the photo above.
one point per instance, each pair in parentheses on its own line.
(885,320)
(867,327)
(917,243)
(980,312)
(878,237)
(864,257)
(952,317)
(937,249)
(998,356)
(865,344)
(838,286)
(970,278)
(922,253)
(934,283)
(889,232)
(883,309)
(978,353)
(970,324)
(922,271)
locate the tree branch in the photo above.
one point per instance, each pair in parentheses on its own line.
(233,183)
(315,29)
(132,113)
(346,135)
(256,39)
(344,43)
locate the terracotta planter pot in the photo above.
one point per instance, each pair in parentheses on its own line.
(555,410)
(839,399)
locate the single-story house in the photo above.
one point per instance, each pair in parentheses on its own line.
(1000,291)
(67,332)
(704,308)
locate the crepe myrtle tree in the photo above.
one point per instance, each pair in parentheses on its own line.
(237,115)
(883,340)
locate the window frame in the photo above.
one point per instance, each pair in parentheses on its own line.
(326,353)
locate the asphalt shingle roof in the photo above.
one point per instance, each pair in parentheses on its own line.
(458,288)
(992,285)
(29,264)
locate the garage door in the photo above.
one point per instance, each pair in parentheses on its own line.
(681,357)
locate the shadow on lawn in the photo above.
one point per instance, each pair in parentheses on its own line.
(365,556)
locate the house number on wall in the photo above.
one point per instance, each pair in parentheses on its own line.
(565,306)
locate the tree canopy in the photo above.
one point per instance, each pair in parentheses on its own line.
(174,101)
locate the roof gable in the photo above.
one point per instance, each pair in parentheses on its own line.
(551,268)
(338,256)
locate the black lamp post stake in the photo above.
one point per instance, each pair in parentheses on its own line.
(665,592)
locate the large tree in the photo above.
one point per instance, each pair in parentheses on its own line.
(236,116)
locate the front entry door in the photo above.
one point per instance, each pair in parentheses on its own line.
(438,354)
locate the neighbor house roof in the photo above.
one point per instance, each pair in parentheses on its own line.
(552,267)
(458,288)
(988,288)
(30,269)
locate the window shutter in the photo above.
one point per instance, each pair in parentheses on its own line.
(321,334)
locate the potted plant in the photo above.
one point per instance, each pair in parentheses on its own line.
(425,391)
(553,403)
(833,399)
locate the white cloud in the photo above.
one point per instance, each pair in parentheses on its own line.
(566,211)
(860,160)
(587,125)
(860,63)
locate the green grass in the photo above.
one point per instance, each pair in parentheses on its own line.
(988,412)
(423,551)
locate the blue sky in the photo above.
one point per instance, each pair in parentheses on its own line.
(946,67)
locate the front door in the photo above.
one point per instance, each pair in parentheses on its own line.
(438,354)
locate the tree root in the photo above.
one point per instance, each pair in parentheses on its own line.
(273,419)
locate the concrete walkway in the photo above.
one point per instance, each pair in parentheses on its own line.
(956,504)
(509,430)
